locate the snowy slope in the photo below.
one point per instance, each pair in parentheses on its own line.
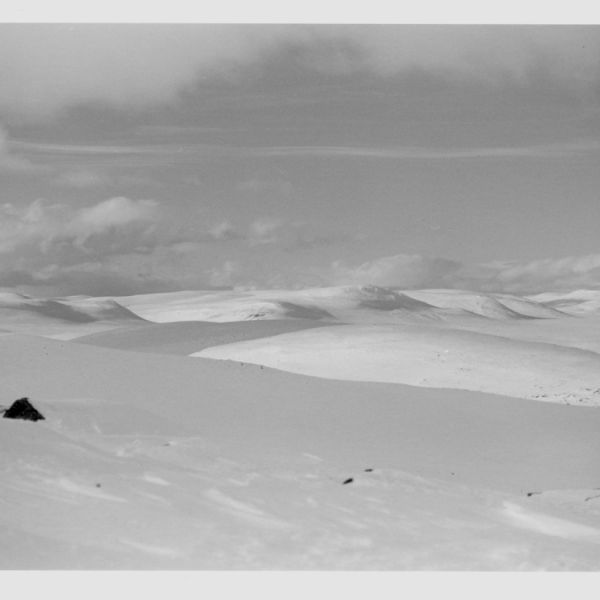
(185,337)
(219,307)
(431,357)
(492,306)
(62,317)
(148,461)
(578,302)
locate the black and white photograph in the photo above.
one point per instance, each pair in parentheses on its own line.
(299,296)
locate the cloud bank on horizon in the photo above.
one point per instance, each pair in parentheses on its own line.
(527,277)
(60,251)
(138,158)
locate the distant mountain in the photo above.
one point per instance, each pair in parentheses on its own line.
(343,303)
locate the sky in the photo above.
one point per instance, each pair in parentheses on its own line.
(142,158)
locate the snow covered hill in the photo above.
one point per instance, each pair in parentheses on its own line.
(153,461)
(492,306)
(431,357)
(578,302)
(186,337)
(346,303)
(62,317)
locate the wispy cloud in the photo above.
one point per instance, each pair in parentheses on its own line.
(31,153)
(89,149)
(558,150)
(9,160)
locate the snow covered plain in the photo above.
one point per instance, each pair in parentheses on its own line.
(149,458)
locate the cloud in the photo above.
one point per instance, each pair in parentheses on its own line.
(225,275)
(81,179)
(42,225)
(170,267)
(97,150)
(289,236)
(307,239)
(572,148)
(49,67)
(85,178)
(261,231)
(9,161)
(117,246)
(520,277)
(264,231)
(91,278)
(156,155)
(259,187)
(223,231)
(192,241)
(115,213)
(401,270)
(559,274)
(490,53)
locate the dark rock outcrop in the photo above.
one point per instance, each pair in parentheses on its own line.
(23,409)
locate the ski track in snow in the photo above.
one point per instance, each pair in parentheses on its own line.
(244,511)
(153,550)
(155,479)
(548,525)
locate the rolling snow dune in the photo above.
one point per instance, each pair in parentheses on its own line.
(346,303)
(578,302)
(492,306)
(148,461)
(64,318)
(99,309)
(430,357)
(218,307)
(572,331)
(185,337)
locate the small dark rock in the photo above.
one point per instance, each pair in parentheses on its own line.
(368,470)
(529,494)
(349,480)
(98,485)
(23,409)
